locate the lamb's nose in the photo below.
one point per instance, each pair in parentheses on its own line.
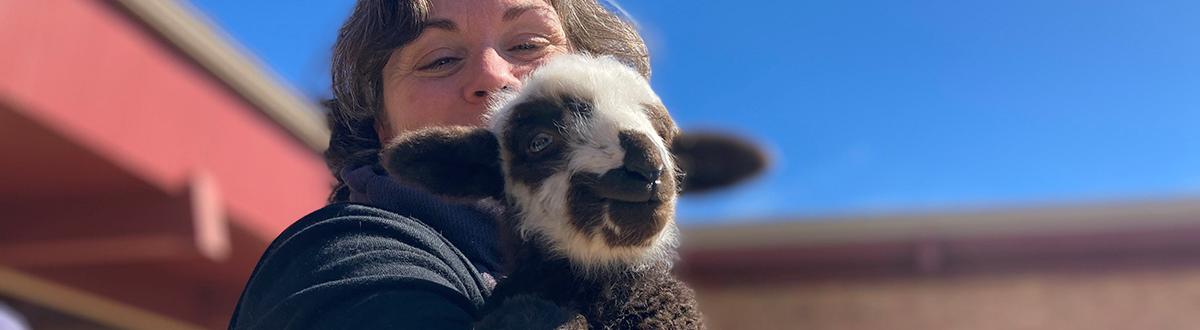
(645,170)
(640,160)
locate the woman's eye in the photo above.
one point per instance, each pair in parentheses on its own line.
(540,142)
(529,43)
(439,63)
(526,46)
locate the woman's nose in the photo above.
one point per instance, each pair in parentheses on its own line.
(493,72)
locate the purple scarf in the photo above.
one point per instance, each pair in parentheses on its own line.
(469,226)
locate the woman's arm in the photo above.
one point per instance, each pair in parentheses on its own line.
(353,266)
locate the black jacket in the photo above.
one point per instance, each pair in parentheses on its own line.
(350,266)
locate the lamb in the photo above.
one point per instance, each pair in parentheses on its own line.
(588,164)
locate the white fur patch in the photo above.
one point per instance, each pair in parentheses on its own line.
(617,94)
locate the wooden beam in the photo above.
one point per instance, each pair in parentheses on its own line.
(210,226)
(99,230)
(77,252)
(71,301)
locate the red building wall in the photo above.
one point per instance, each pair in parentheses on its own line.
(132,173)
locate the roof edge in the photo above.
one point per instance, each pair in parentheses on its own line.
(177,23)
(1076,218)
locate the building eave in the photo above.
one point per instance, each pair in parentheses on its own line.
(947,224)
(175,22)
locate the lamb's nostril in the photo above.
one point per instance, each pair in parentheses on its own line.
(646,171)
(628,184)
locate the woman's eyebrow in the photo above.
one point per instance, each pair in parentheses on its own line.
(440,23)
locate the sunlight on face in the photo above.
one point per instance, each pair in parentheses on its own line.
(468,50)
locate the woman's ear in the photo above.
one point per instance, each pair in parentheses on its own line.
(452,161)
(712,161)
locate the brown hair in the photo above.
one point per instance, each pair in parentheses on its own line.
(377,27)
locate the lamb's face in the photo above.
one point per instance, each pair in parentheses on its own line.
(584,150)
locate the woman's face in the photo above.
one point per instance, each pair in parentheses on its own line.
(468,50)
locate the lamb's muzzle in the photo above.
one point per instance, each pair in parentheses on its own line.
(622,184)
(639,177)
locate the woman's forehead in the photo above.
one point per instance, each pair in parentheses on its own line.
(455,19)
(505,10)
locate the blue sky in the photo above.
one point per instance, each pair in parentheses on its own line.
(887,106)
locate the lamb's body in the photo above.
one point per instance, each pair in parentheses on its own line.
(586,159)
(550,292)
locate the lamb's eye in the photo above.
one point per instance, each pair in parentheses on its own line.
(540,142)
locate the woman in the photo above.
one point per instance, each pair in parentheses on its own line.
(386,253)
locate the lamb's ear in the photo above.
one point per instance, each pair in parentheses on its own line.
(452,161)
(712,160)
